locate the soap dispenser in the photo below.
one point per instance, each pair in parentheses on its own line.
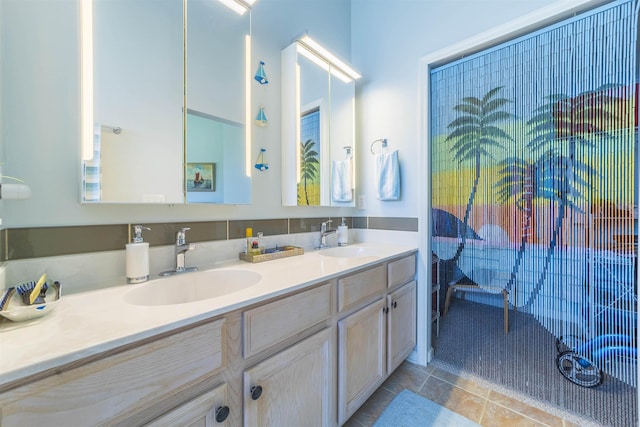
(137,257)
(343,234)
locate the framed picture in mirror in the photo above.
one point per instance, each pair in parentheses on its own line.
(201,177)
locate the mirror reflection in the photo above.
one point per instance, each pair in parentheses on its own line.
(216,150)
(150,86)
(318,130)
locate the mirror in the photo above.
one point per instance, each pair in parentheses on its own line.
(217,165)
(147,67)
(318,115)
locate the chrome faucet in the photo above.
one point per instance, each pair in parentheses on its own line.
(324,232)
(181,249)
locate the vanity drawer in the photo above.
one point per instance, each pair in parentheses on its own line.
(272,323)
(360,286)
(401,271)
(119,385)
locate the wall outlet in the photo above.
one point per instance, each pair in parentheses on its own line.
(361,202)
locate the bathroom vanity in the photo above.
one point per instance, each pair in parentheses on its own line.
(309,342)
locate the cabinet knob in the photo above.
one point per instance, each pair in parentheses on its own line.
(395,304)
(222,413)
(256,392)
(385,310)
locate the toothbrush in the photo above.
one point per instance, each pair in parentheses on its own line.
(36,291)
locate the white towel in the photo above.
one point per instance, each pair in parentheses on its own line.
(342,190)
(388,176)
(91,169)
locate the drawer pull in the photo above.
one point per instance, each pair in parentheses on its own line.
(222,413)
(256,392)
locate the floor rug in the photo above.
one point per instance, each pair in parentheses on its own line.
(408,409)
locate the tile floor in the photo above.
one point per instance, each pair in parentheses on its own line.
(467,397)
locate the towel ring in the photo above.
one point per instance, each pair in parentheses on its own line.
(383,144)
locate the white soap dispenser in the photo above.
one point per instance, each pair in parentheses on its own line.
(137,257)
(343,234)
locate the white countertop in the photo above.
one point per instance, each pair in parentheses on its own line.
(90,323)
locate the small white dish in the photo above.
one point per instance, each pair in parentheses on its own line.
(14,308)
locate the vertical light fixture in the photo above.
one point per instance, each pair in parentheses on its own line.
(353,138)
(298,127)
(86,60)
(247,106)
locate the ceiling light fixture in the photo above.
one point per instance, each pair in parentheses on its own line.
(238,6)
(321,56)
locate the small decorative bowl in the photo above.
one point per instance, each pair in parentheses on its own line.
(13,307)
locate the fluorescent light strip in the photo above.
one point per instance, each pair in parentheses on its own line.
(247,107)
(313,57)
(86,52)
(329,57)
(298,127)
(238,6)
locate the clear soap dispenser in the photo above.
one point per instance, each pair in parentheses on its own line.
(343,234)
(137,257)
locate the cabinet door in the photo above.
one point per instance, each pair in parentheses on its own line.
(292,388)
(402,324)
(207,410)
(361,357)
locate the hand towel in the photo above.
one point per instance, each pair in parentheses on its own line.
(91,169)
(342,190)
(388,176)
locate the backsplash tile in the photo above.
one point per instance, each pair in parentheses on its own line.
(268,227)
(3,245)
(165,233)
(40,242)
(393,224)
(360,222)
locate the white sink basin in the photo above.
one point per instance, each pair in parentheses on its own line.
(349,252)
(191,287)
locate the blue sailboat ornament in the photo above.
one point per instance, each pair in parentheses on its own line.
(260,163)
(261,118)
(261,76)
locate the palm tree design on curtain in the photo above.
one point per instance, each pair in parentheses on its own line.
(560,129)
(518,181)
(474,133)
(308,165)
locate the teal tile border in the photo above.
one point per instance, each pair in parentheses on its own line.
(37,242)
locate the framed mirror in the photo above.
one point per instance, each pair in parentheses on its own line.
(168,105)
(318,117)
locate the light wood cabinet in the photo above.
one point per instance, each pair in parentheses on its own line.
(361,357)
(275,322)
(207,410)
(292,388)
(401,271)
(374,340)
(401,335)
(109,390)
(274,363)
(359,287)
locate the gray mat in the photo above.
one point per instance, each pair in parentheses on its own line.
(409,409)
(472,341)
